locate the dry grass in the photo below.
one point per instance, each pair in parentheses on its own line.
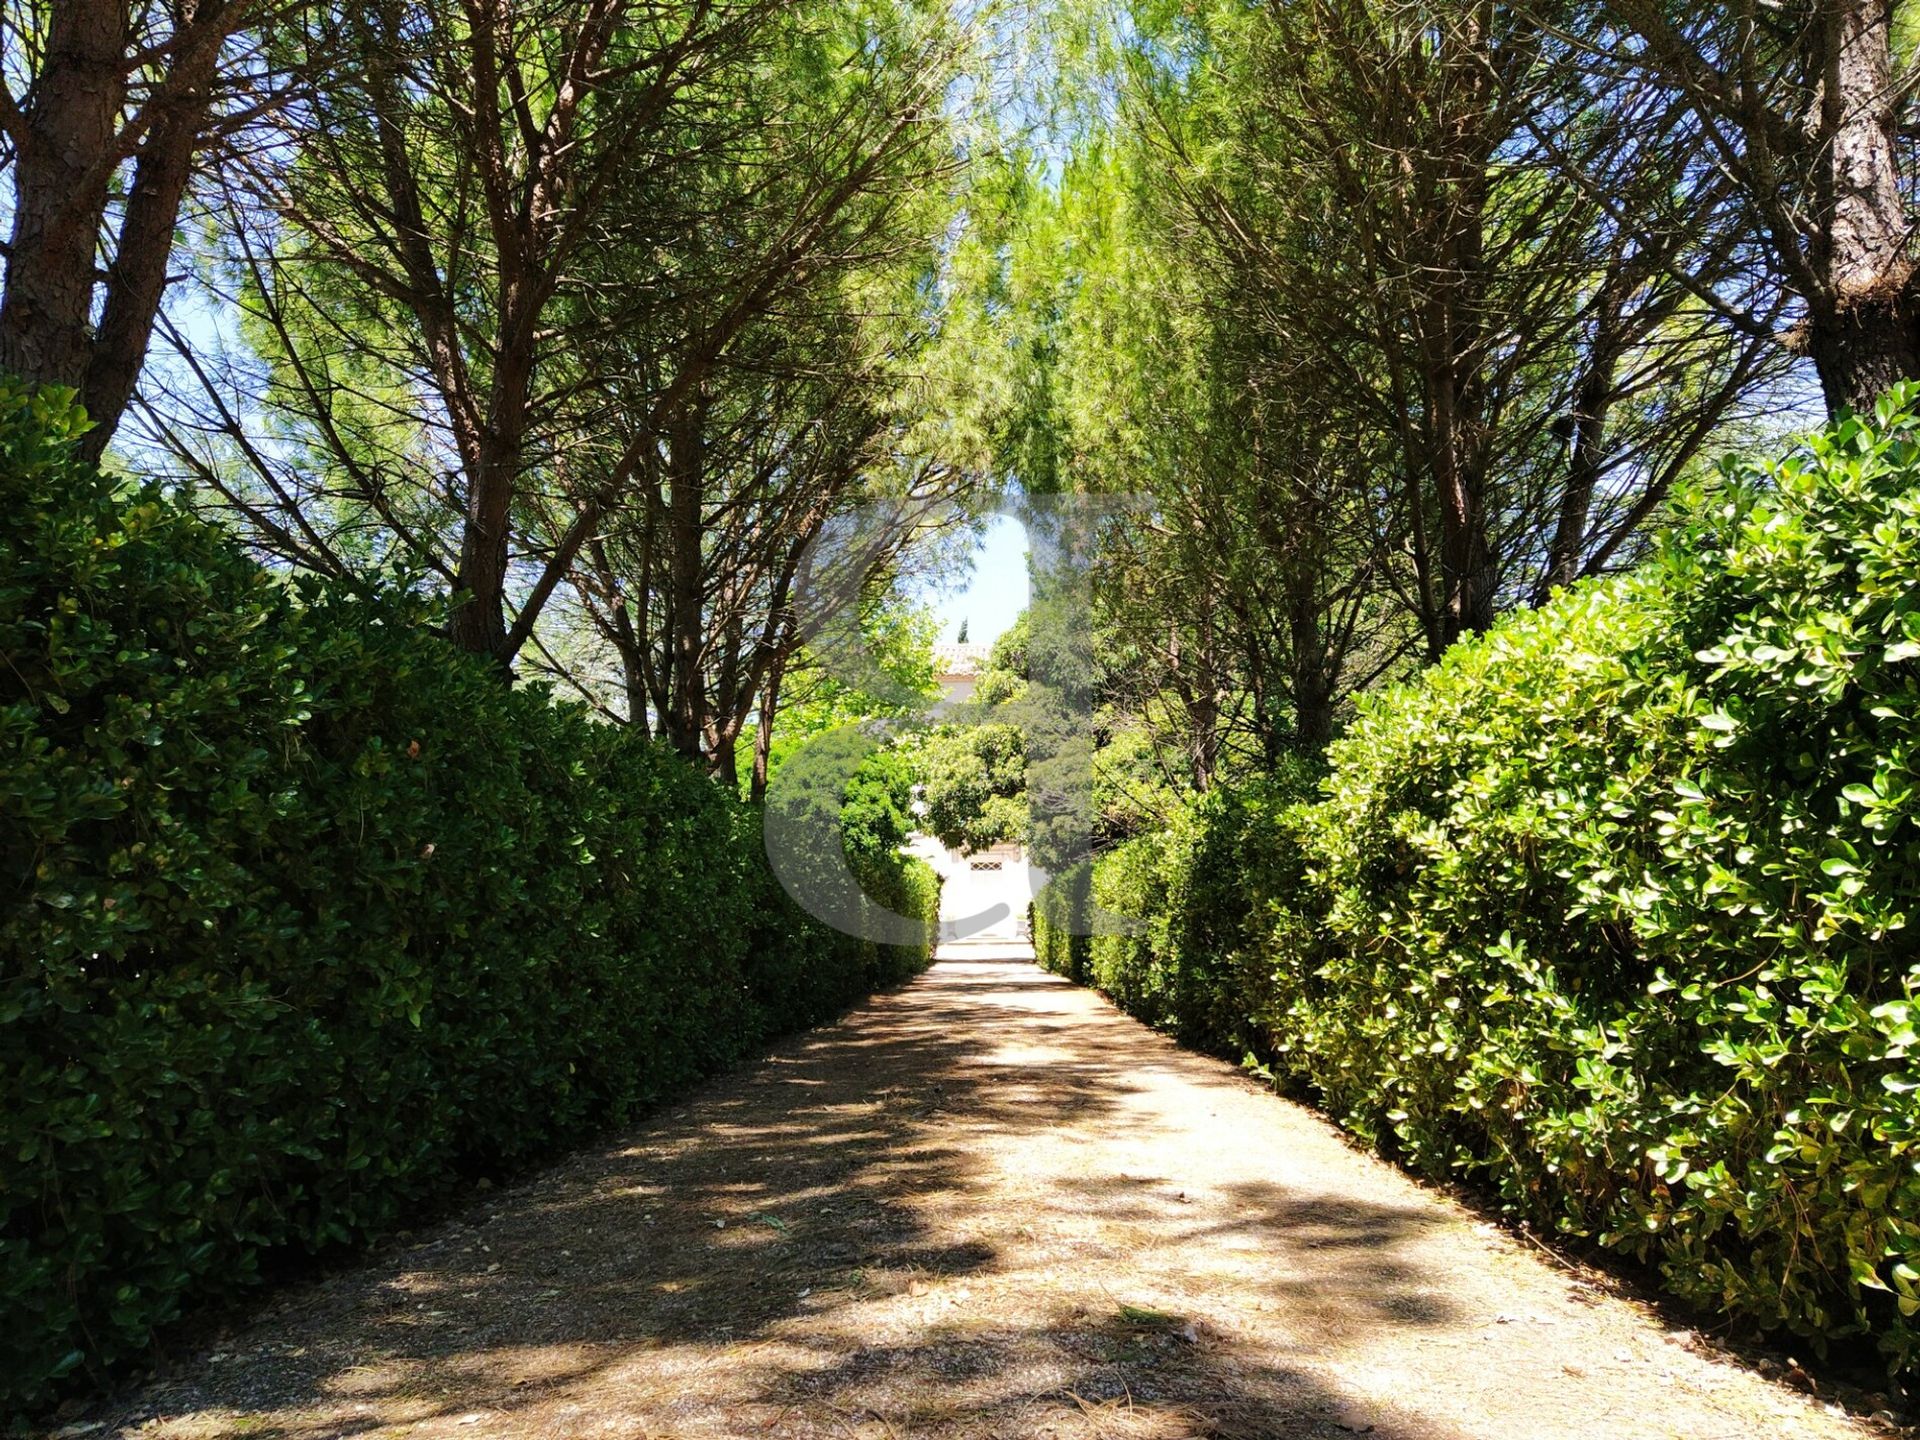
(985,1206)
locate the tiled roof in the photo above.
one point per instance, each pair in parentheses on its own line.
(950,658)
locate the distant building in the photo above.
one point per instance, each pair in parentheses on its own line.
(1000,878)
(956,668)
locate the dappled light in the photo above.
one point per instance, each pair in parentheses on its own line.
(986,1205)
(1351,568)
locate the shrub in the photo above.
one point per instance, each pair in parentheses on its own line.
(1057,920)
(310,919)
(1610,911)
(1204,893)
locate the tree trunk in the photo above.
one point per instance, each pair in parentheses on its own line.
(138,276)
(724,765)
(62,184)
(685,721)
(479,624)
(1204,749)
(143,250)
(763,731)
(1455,342)
(1586,453)
(59,198)
(1313,685)
(1861,331)
(1864,349)
(633,671)
(1465,565)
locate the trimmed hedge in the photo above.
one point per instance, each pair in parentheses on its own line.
(1611,911)
(309,920)
(1204,889)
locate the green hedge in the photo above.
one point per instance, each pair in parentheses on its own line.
(309,920)
(1610,911)
(1056,920)
(1205,890)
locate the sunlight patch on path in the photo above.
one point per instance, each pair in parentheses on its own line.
(986,1205)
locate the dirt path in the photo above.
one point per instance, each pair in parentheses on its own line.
(987,1205)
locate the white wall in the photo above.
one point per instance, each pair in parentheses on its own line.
(974,884)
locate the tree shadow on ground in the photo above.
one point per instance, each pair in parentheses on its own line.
(829,1244)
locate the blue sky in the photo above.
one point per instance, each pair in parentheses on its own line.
(996,591)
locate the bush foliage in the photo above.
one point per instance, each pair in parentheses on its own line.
(309,919)
(1610,911)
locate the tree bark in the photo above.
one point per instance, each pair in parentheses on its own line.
(633,670)
(1586,454)
(177,126)
(685,721)
(60,196)
(724,764)
(1861,332)
(1313,680)
(73,139)
(763,732)
(1468,606)
(1864,348)
(1454,342)
(137,278)
(479,624)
